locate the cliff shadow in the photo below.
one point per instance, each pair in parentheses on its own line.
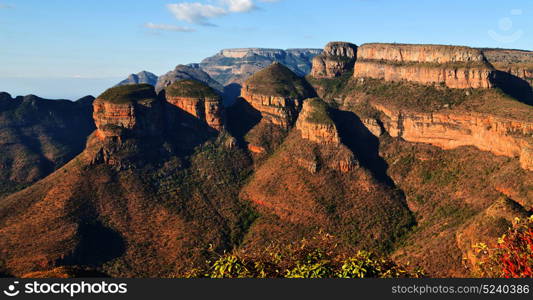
(241,117)
(97,245)
(514,86)
(362,143)
(231,93)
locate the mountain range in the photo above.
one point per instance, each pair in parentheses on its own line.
(413,152)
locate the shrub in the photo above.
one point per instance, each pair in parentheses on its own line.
(513,255)
(319,257)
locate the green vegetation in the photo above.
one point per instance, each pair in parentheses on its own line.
(319,114)
(318,257)
(513,255)
(190,88)
(278,80)
(129,93)
(330,87)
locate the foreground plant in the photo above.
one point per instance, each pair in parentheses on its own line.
(319,257)
(513,255)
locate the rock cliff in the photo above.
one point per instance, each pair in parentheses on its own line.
(452,66)
(338,58)
(277,93)
(236,65)
(129,110)
(197,99)
(448,130)
(315,125)
(518,63)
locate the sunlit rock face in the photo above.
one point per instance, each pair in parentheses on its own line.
(451,66)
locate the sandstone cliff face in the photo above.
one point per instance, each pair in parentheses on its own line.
(448,130)
(277,110)
(337,59)
(516,62)
(198,100)
(321,131)
(127,110)
(277,93)
(455,67)
(315,125)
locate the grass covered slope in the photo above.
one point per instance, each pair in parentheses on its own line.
(190,89)
(129,93)
(278,80)
(295,201)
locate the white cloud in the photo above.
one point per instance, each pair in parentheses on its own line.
(196,13)
(199,13)
(239,5)
(167,27)
(2,5)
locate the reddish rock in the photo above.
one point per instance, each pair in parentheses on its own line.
(501,136)
(452,66)
(338,58)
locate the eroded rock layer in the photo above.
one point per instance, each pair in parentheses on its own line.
(447,130)
(198,100)
(337,59)
(277,93)
(125,110)
(454,67)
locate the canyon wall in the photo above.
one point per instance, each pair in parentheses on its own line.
(454,67)
(448,130)
(336,59)
(518,63)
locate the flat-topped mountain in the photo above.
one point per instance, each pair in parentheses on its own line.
(452,66)
(236,65)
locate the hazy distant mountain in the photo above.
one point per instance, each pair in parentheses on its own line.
(236,65)
(182,72)
(141,77)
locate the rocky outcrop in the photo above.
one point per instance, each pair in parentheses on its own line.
(142,77)
(236,65)
(518,63)
(448,130)
(452,66)
(338,58)
(277,93)
(130,110)
(187,72)
(315,125)
(198,100)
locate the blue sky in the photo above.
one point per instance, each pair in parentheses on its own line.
(71,48)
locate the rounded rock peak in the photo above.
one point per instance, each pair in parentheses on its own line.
(341,49)
(127,94)
(189,88)
(278,80)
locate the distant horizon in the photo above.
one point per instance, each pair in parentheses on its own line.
(63,50)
